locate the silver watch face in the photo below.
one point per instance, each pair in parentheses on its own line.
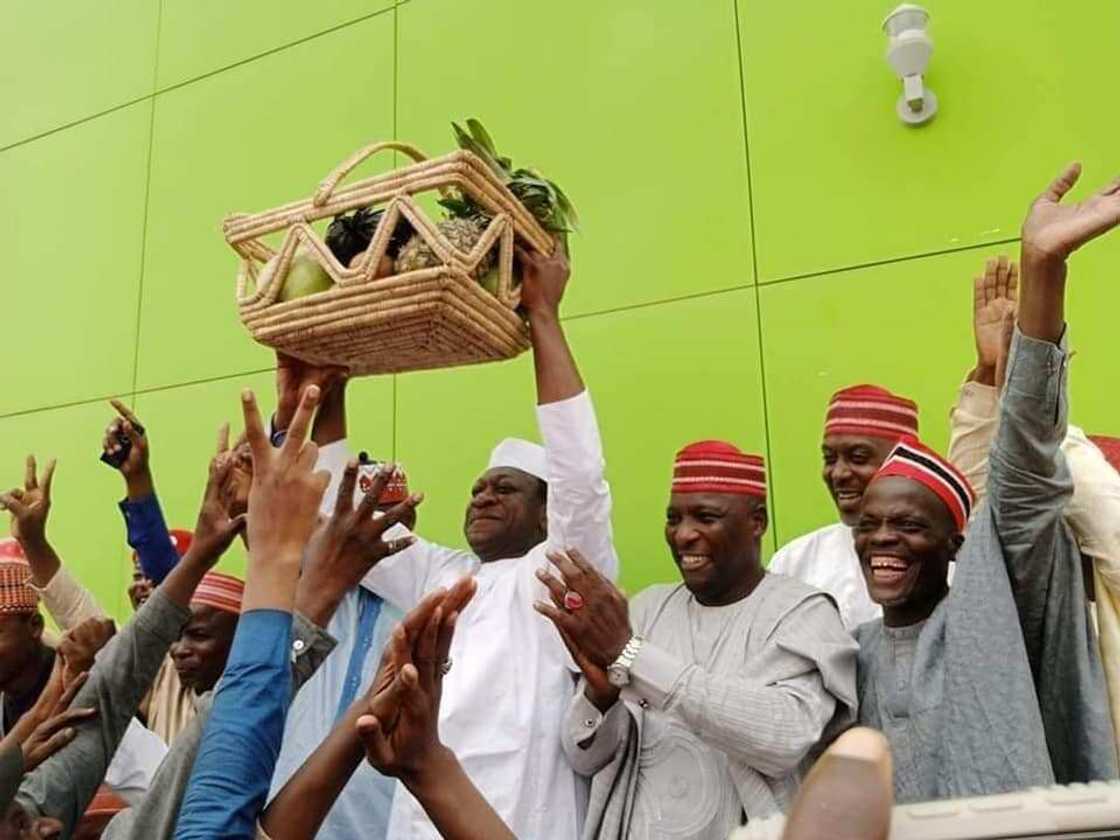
(618,676)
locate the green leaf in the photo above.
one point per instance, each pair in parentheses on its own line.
(482,136)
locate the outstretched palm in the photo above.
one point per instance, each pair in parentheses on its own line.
(995,293)
(1056,230)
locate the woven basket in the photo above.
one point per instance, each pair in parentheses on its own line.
(430,318)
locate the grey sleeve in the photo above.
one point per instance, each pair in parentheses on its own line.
(11,773)
(590,738)
(156,816)
(64,784)
(770,716)
(1029,482)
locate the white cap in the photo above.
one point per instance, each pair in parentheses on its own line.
(522,455)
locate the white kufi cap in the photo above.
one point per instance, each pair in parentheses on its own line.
(522,455)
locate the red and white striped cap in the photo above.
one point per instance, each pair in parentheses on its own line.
(222,592)
(872,411)
(713,466)
(914,460)
(16,596)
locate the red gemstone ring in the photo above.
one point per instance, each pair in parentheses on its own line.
(573,601)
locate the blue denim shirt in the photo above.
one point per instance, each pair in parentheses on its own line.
(147,533)
(229,782)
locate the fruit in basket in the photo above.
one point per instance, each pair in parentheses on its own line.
(462,232)
(349,235)
(305,276)
(541,197)
(467,220)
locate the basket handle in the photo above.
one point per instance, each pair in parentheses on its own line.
(327,185)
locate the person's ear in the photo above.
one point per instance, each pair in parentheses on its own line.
(36,623)
(760,520)
(955,543)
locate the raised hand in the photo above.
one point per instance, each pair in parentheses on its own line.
(543,278)
(283,504)
(78,647)
(400,728)
(135,468)
(48,726)
(294,377)
(1054,230)
(30,505)
(349,544)
(995,297)
(592,617)
(215,528)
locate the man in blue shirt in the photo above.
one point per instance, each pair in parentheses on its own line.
(361,625)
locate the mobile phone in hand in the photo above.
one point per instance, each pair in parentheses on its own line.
(115,459)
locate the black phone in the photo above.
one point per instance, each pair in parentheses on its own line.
(117,458)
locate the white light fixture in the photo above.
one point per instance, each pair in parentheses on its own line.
(908,53)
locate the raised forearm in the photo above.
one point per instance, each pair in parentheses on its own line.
(42,559)
(454,804)
(1042,299)
(304,802)
(556,372)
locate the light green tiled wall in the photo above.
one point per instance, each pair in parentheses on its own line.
(131,128)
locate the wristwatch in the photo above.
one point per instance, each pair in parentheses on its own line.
(618,672)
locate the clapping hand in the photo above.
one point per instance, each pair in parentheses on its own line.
(79,646)
(400,728)
(592,616)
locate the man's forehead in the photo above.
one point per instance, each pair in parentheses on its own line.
(720,501)
(897,494)
(846,442)
(511,473)
(205,615)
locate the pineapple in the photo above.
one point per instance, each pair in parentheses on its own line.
(461,231)
(466,221)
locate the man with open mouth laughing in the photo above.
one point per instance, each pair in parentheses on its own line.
(702,703)
(862,425)
(997,684)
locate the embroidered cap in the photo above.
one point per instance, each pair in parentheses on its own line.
(913,460)
(16,595)
(395,490)
(872,411)
(220,591)
(714,466)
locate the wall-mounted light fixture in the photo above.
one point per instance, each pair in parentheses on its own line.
(908,52)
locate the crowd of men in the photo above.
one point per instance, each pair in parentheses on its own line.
(362,682)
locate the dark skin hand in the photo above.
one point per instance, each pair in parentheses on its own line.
(293,378)
(994,301)
(135,468)
(507,514)
(905,539)
(201,651)
(301,806)
(48,726)
(30,507)
(850,461)
(715,540)
(79,646)
(1054,229)
(345,547)
(594,634)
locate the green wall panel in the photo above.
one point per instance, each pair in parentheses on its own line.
(907,327)
(839,181)
(63,62)
(200,36)
(85,525)
(661,376)
(73,211)
(633,108)
(240,141)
